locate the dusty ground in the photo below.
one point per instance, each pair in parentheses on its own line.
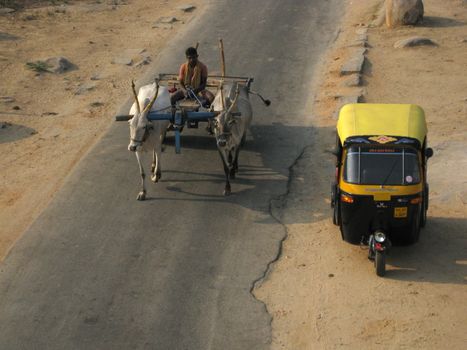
(48,121)
(323,293)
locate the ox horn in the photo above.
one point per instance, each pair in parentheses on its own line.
(136,96)
(237,93)
(149,106)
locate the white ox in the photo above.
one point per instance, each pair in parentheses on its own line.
(145,135)
(231,126)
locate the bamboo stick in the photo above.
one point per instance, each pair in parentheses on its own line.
(221,47)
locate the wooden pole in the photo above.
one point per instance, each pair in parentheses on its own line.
(196,46)
(221,47)
(222,94)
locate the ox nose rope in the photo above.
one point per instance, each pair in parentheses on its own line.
(147,128)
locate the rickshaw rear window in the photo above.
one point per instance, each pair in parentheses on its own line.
(381,166)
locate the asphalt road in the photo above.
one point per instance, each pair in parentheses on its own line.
(99,270)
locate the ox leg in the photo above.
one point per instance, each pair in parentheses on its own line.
(155,168)
(227,189)
(242,142)
(232,165)
(142,194)
(156,161)
(235,161)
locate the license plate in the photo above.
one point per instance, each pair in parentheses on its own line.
(400,212)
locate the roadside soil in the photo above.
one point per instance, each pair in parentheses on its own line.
(323,293)
(49,121)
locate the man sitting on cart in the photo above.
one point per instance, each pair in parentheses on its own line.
(193,75)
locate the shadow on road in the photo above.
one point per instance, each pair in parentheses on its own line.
(440,22)
(440,256)
(13,132)
(190,141)
(264,169)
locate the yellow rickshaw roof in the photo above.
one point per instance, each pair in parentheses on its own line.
(365,119)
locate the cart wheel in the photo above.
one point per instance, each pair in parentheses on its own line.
(380,263)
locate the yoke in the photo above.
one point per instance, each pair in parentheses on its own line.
(191,111)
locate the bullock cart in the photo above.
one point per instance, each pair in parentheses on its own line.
(191,111)
(152,116)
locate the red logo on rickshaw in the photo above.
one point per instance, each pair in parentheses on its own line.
(382,139)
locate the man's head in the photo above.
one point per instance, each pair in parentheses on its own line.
(191,56)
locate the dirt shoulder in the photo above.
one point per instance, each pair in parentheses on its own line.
(323,293)
(48,121)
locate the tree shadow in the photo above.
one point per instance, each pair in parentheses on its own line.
(14,132)
(440,256)
(440,22)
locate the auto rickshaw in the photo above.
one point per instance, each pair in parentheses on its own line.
(380,193)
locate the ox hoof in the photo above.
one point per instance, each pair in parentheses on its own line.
(141,196)
(227,192)
(156,177)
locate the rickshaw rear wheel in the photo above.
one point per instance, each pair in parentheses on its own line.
(415,231)
(336,215)
(423,215)
(412,233)
(380,263)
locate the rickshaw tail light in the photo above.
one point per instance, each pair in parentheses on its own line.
(416,200)
(347,199)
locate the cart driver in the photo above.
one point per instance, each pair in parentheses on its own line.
(193,75)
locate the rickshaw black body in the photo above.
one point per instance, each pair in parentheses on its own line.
(380,193)
(365,215)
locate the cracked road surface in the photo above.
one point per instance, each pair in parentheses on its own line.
(99,270)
